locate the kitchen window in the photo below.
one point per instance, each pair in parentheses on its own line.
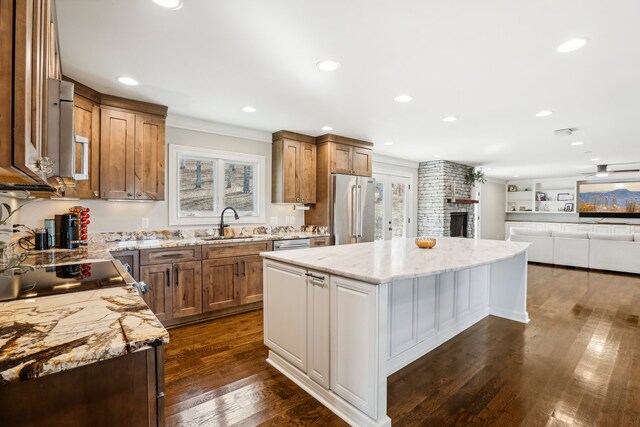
(203,182)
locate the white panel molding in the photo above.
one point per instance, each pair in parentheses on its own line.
(393,161)
(206,126)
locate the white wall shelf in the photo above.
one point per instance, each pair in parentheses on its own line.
(543,196)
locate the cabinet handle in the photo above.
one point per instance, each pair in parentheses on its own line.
(235,269)
(176,278)
(244,267)
(168,277)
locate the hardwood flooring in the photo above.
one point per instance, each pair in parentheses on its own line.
(577,363)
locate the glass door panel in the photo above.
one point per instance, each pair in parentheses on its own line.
(392,207)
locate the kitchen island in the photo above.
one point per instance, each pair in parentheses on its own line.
(339,320)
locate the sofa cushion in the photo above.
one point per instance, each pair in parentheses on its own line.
(609,236)
(530,232)
(570,235)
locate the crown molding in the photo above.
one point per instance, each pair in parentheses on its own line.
(393,161)
(190,123)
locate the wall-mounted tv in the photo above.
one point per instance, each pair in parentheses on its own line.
(619,199)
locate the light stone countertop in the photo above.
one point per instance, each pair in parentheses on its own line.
(385,261)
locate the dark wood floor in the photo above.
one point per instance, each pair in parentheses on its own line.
(576,363)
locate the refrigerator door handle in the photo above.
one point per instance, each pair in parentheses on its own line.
(360,212)
(354,211)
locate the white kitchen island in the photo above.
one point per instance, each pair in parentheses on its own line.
(338,320)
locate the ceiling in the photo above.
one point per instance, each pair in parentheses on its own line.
(493,64)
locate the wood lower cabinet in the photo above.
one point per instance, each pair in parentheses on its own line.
(220,283)
(317,242)
(251,279)
(187,288)
(130,261)
(160,296)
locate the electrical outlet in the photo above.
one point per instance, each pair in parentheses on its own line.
(291,220)
(145,222)
(274,220)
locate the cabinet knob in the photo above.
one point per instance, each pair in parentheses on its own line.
(302,199)
(96,194)
(297,199)
(138,194)
(129,194)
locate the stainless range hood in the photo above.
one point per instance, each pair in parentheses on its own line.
(69,152)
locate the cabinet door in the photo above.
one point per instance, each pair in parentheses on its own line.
(187,288)
(251,272)
(30,84)
(149,157)
(362,161)
(130,260)
(320,241)
(285,314)
(318,323)
(220,283)
(307,173)
(86,116)
(117,138)
(290,164)
(341,158)
(159,298)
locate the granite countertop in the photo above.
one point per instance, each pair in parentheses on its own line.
(387,260)
(42,336)
(102,251)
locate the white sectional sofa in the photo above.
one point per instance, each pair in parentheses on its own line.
(604,251)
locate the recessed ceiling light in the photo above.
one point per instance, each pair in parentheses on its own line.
(328,65)
(388,143)
(128,81)
(437,156)
(249,109)
(450,119)
(516,176)
(544,113)
(327,128)
(573,44)
(402,98)
(576,143)
(487,169)
(595,159)
(169,4)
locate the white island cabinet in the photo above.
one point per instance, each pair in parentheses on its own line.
(339,320)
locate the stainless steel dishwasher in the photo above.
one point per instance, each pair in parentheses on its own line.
(290,244)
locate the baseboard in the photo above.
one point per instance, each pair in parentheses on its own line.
(517,316)
(332,401)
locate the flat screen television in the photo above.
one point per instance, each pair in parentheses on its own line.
(619,199)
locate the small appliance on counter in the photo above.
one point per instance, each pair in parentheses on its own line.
(42,239)
(67,231)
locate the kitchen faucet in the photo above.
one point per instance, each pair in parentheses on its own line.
(222,224)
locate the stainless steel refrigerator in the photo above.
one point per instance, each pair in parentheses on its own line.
(353,209)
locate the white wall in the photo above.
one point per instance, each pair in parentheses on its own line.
(392,166)
(127,216)
(492,206)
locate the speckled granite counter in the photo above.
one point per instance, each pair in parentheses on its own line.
(102,251)
(42,336)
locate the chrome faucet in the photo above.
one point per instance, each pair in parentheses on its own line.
(222,224)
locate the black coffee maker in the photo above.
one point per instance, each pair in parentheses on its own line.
(67,231)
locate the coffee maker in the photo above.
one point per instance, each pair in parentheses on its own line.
(67,231)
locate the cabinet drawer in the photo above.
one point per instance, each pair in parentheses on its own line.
(320,241)
(160,256)
(240,249)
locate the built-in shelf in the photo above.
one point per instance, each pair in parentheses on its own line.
(462,201)
(543,196)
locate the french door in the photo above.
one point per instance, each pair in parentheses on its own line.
(393,207)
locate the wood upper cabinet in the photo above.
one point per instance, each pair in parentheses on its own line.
(220,283)
(352,160)
(293,168)
(26,33)
(160,296)
(187,288)
(86,116)
(117,151)
(132,155)
(149,157)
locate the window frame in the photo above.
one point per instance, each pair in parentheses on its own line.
(259,186)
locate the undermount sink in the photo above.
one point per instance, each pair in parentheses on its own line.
(230,238)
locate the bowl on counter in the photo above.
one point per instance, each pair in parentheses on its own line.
(425,242)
